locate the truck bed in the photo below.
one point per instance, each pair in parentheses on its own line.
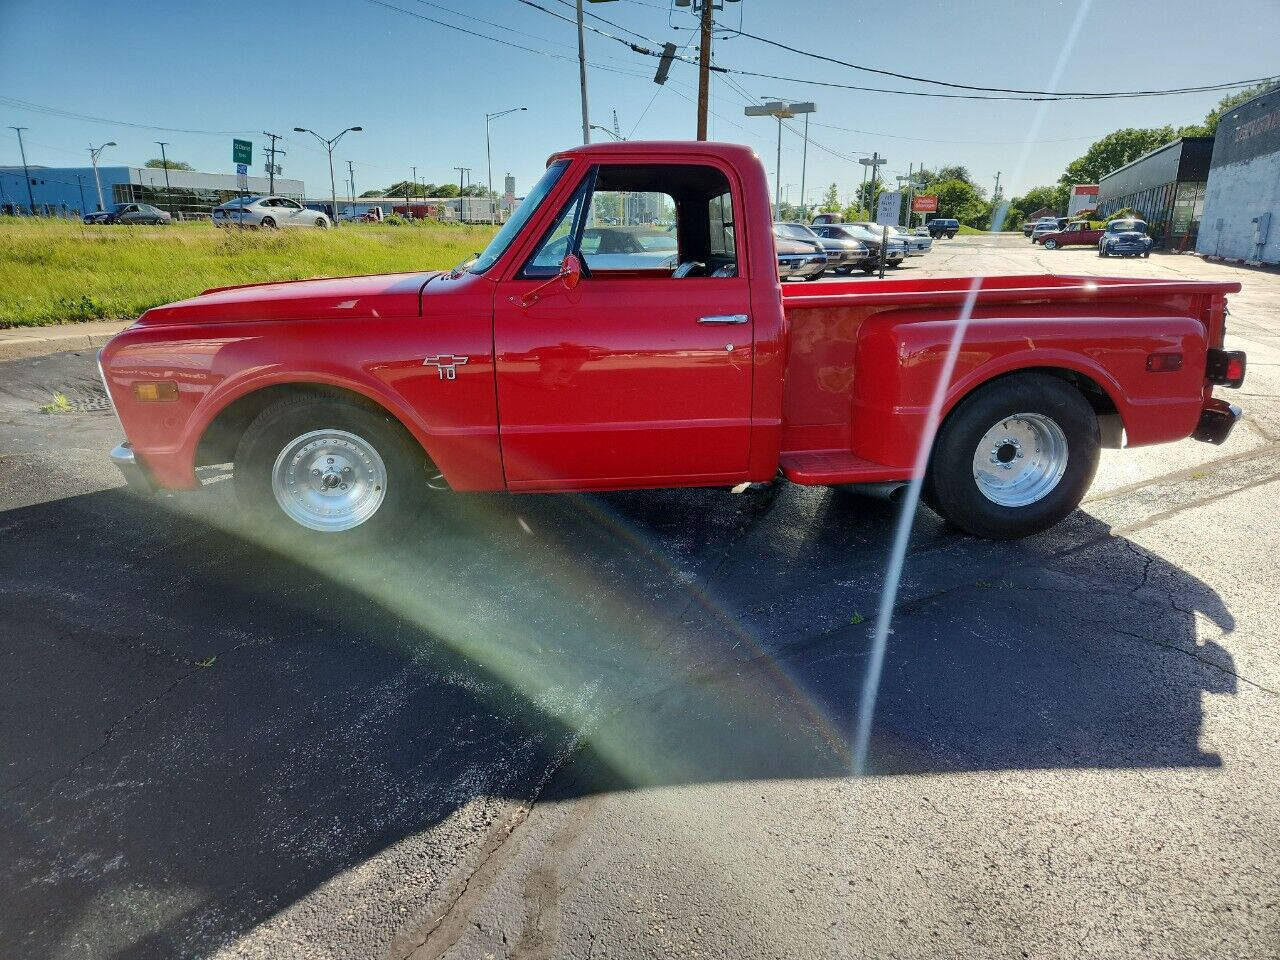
(1097,331)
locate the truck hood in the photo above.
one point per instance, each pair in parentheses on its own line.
(385,295)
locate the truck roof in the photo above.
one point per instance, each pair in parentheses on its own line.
(732,153)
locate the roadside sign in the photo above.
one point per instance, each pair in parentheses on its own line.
(242,151)
(889,208)
(925,203)
(242,177)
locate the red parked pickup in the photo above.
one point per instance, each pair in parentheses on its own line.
(1078,233)
(548,363)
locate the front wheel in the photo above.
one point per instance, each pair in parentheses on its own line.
(1146,254)
(1016,457)
(322,223)
(844,271)
(1102,252)
(814,276)
(268,223)
(325,469)
(1051,244)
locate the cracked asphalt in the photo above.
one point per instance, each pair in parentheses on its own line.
(617,726)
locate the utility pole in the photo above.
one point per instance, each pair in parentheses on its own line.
(462,201)
(415,183)
(704,69)
(80,184)
(26,174)
(271,160)
(351,174)
(582,78)
(164,161)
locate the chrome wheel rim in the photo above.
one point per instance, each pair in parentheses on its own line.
(329,480)
(1020,460)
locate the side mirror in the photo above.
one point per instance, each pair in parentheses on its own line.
(568,278)
(570,271)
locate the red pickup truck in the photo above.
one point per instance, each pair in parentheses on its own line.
(1077,233)
(543,364)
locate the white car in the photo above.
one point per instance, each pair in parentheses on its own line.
(1043,227)
(267,212)
(917,242)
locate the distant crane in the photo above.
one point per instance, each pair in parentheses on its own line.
(616,131)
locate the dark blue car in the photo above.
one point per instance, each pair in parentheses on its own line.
(1125,238)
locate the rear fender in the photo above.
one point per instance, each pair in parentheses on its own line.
(901,354)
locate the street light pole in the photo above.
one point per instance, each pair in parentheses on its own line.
(26,174)
(164,161)
(328,146)
(780,111)
(488,153)
(582,77)
(596,126)
(93,158)
(804,163)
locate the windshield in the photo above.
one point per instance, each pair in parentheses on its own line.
(502,239)
(242,202)
(1124,226)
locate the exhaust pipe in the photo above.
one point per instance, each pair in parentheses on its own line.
(890,492)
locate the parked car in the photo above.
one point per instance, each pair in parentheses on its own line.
(342,405)
(1125,238)
(869,261)
(826,218)
(268,213)
(130,214)
(1044,227)
(844,252)
(917,243)
(1077,233)
(799,256)
(943,227)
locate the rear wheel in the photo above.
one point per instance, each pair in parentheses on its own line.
(322,223)
(324,469)
(1016,457)
(814,276)
(1051,244)
(844,271)
(268,223)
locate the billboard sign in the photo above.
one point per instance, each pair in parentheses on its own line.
(242,151)
(889,208)
(925,203)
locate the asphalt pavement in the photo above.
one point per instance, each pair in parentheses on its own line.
(618,725)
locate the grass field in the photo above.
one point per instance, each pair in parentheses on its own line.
(55,271)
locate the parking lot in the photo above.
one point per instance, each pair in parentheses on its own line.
(617,725)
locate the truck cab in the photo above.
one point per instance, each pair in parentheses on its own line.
(627,328)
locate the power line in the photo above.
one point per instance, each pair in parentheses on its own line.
(993,93)
(1158,92)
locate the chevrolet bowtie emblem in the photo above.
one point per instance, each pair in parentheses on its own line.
(446,365)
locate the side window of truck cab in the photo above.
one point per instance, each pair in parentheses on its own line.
(671,221)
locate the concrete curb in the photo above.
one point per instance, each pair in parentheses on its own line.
(72,337)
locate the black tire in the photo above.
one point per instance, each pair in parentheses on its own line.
(286,420)
(844,271)
(322,223)
(814,276)
(951,236)
(894,264)
(1102,252)
(267,223)
(1146,255)
(1050,244)
(868,270)
(953,489)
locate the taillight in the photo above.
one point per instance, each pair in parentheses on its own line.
(1226,368)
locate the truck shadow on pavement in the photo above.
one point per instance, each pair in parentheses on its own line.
(200,730)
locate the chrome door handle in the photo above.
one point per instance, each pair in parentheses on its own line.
(725,318)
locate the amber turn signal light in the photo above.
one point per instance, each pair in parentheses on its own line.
(155,391)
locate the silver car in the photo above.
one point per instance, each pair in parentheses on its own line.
(269,213)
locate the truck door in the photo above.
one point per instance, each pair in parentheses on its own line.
(641,374)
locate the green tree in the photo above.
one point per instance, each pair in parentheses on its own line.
(956,172)
(1055,198)
(961,200)
(1113,151)
(158,164)
(831,200)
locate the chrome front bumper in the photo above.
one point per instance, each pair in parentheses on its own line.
(134,473)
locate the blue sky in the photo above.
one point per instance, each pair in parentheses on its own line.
(421,90)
